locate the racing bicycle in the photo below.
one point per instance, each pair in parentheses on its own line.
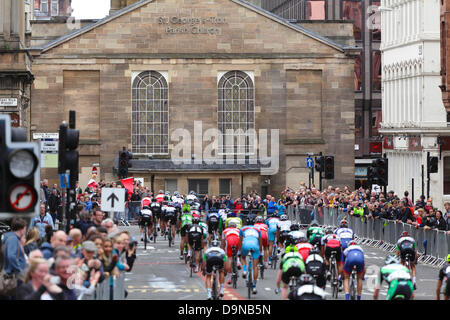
(334,275)
(353,284)
(234,272)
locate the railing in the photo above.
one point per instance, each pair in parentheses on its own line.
(108,289)
(432,245)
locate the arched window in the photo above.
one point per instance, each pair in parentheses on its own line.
(236,111)
(150,114)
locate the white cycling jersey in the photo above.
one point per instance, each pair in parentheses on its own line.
(284,225)
(146,213)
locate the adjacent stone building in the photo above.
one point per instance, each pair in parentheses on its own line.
(158,77)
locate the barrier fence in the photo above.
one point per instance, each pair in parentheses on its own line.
(432,245)
(111,288)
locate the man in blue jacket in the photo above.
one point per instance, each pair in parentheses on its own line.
(14,255)
(44,219)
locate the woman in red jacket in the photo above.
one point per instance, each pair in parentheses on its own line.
(237,206)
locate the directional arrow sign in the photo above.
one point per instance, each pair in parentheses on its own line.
(113,199)
(309,162)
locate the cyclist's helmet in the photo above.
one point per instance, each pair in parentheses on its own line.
(329,230)
(314,224)
(302,239)
(215,243)
(314,250)
(160,191)
(259,219)
(306,279)
(232,225)
(250,221)
(343,224)
(192,193)
(295,227)
(404,234)
(283,217)
(195,220)
(227,210)
(391,258)
(448,258)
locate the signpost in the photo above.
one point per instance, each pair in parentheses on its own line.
(310,165)
(113,200)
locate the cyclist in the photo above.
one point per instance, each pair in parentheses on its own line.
(354,257)
(194,238)
(178,202)
(170,219)
(231,217)
(272,223)
(398,279)
(314,234)
(155,206)
(331,243)
(145,219)
(204,227)
(250,238)
(230,238)
(291,265)
(444,277)
(259,223)
(214,221)
(284,227)
(163,219)
(406,245)
(186,221)
(345,235)
(307,290)
(214,256)
(315,266)
(160,196)
(303,246)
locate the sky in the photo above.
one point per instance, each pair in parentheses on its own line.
(90,9)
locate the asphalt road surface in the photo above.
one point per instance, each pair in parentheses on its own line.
(159,274)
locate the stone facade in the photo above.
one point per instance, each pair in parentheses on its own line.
(303,86)
(445,54)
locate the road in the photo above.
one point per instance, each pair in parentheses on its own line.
(159,274)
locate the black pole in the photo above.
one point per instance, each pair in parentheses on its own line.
(428,175)
(320,176)
(423,180)
(412,193)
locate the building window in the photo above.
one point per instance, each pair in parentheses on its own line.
(44,6)
(376,71)
(376,20)
(171,185)
(447,175)
(150,114)
(315,10)
(358,124)
(352,10)
(199,186)
(225,187)
(54,8)
(236,113)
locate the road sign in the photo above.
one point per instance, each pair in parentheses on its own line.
(113,199)
(309,162)
(64,180)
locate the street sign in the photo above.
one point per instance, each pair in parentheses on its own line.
(64,180)
(309,162)
(113,199)
(8,102)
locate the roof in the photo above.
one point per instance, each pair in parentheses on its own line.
(142,3)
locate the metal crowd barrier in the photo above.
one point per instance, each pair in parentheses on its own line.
(432,246)
(106,291)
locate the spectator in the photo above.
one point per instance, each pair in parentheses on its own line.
(54,202)
(37,282)
(35,254)
(406,197)
(46,191)
(130,246)
(109,225)
(44,219)
(92,267)
(119,251)
(206,203)
(85,222)
(31,241)
(103,232)
(440,224)
(447,214)
(237,206)
(109,259)
(99,243)
(14,256)
(59,238)
(64,272)
(59,251)
(430,220)
(76,236)
(98,218)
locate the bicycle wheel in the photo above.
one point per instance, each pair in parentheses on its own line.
(185,253)
(234,272)
(170,235)
(250,277)
(353,287)
(191,264)
(261,268)
(334,281)
(214,287)
(145,237)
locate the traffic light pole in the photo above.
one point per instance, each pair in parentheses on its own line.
(428,175)
(320,176)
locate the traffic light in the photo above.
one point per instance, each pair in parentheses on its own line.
(378,172)
(329,167)
(19,172)
(433,164)
(319,163)
(124,163)
(67,152)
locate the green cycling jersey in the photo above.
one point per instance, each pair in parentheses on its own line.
(395,275)
(314,232)
(186,219)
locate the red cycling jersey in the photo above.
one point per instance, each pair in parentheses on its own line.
(232,239)
(304,248)
(146,202)
(160,198)
(263,228)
